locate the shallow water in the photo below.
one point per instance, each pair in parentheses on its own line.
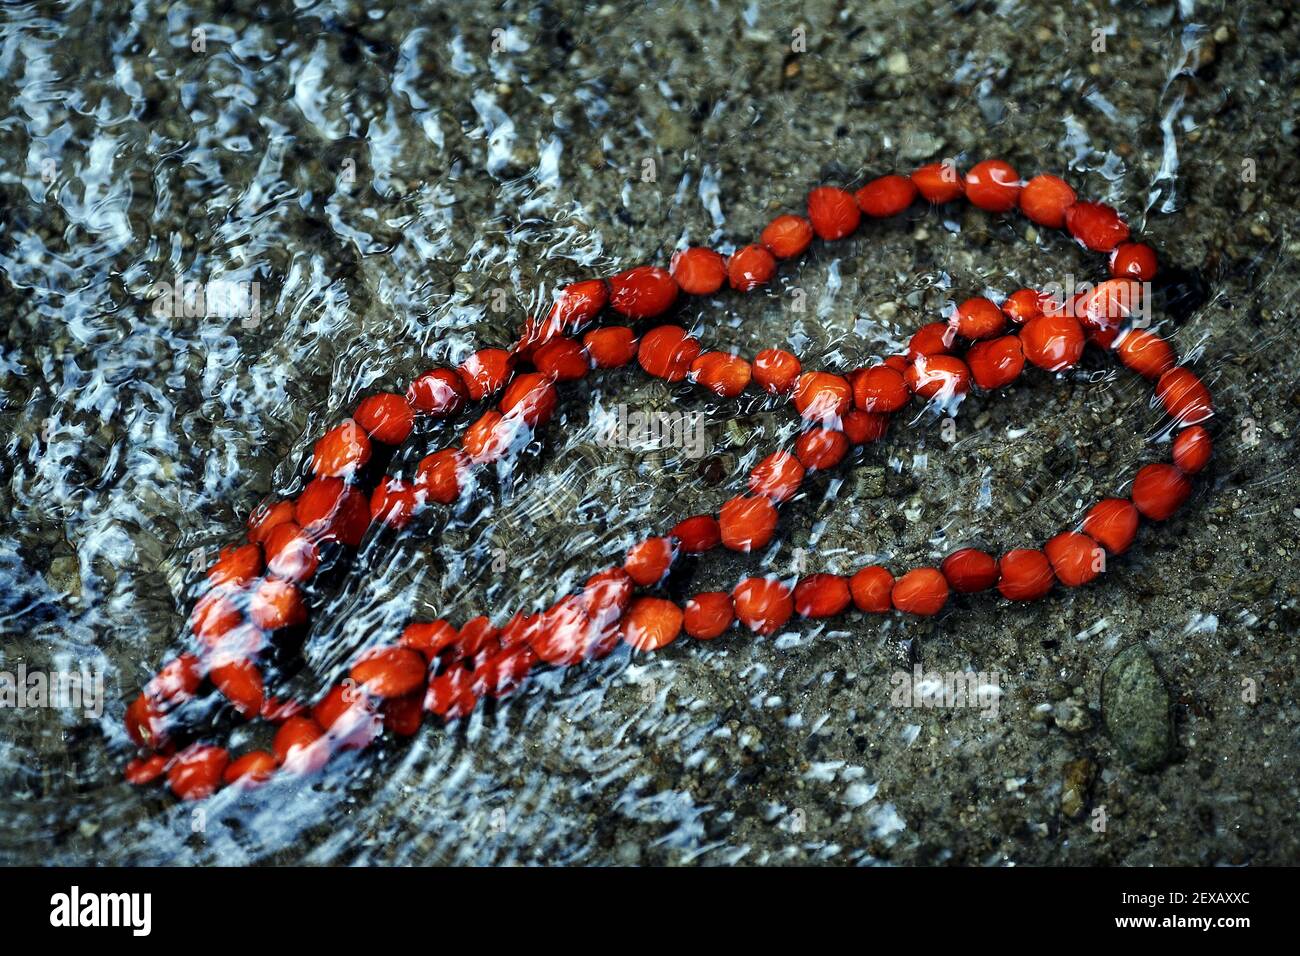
(405,186)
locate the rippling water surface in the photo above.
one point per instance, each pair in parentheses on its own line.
(384,190)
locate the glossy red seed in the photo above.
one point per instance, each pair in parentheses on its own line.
(214,615)
(319,504)
(821,595)
(429,638)
(562,359)
(750,267)
(291,553)
(1159,490)
(276,604)
(146,723)
(486,372)
(708,615)
(1096,225)
(531,398)
(763,605)
(250,769)
(235,566)
(777,476)
(969,570)
(938,182)
(240,682)
(821,448)
(146,769)
(299,745)
(386,417)
(389,671)
(862,428)
(747,523)
(394,502)
(1192,449)
(698,534)
(196,772)
(776,370)
(787,236)
(722,374)
(612,347)
(1145,353)
(698,271)
(941,376)
(936,338)
(475,635)
(176,681)
(651,623)
(1052,342)
(643,292)
(1105,307)
(667,352)
(993,185)
(833,213)
(1022,305)
(1076,559)
(565,633)
(1045,199)
(1024,575)
(872,588)
(443,474)
(978,318)
(648,561)
(341,451)
(1184,396)
(996,362)
(822,397)
(886,196)
(880,389)
(266,517)
(438,392)
(1113,522)
(1133,260)
(922,591)
(577,304)
(489,438)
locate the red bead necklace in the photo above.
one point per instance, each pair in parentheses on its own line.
(253,590)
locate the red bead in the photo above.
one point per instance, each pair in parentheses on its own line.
(938,182)
(1105,307)
(763,605)
(747,523)
(922,591)
(993,185)
(240,682)
(146,724)
(777,476)
(1133,260)
(880,389)
(1159,490)
(393,502)
(872,589)
(833,212)
(722,374)
(577,304)
(787,236)
(485,372)
(1024,575)
(196,772)
(235,566)
(1052,342)
(1192,449)
(176,681)
(698,271)
(651,623)
(1145,353)
(386,417)
(1096,225)
(996,362)
(821,396)
(1076,559)
(266,517)
(1113,522)
(862,428)
(429,638)
(319,504)
(821,448)
(643,292)
(667,352)
(886,196)
(611,347)
(438,392)
(146,769)
(213,616)
(562,359)
(475,634)
(1023,305)
(698,534)
(978,318)
(299,746)
(565,634)
(530,397)
(776,370)
(708,615)
(648,561)
(488,438)
(606,596)
(1045,199)
(341,451)
(291,553)
(821,595)
(442,474)
(936,338)
(1184,396)
(389,671)
(944,376)
(276,604)
(250,769)
(969,570)
(750,267)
